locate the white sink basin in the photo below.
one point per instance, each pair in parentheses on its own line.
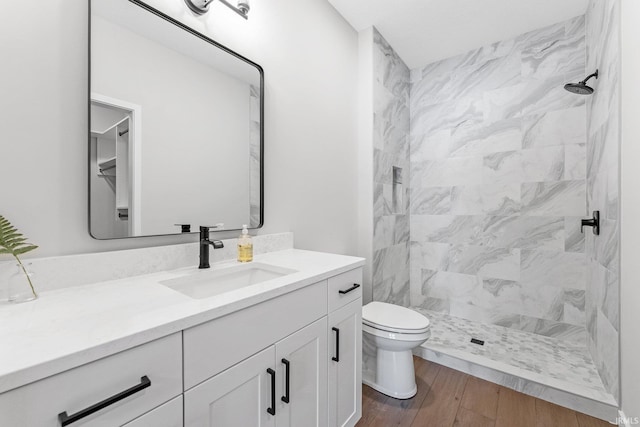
(207,283)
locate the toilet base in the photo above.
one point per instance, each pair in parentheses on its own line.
(395,374)
(390,393)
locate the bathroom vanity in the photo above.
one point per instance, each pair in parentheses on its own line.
(152,351)
(276,342)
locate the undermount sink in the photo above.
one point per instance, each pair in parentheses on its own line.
(207,283)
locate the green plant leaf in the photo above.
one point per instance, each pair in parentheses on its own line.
(16,240)
(24,249)
(14,243)
(11,241)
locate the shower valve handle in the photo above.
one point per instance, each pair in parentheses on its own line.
(592,222)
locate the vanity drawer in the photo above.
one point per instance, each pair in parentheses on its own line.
(167,415)
(344,288)
(212,347)
(158,362)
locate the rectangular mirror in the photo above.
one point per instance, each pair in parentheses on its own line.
(176,127)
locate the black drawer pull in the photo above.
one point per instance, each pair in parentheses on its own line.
(272,409)
(287,372)
(336,358)
(353,288)
(65,419)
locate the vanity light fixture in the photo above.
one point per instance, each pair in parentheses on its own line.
(201,7)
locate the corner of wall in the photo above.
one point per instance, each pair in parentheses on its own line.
(630,210)
(365,156)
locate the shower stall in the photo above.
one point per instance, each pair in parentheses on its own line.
(483,168)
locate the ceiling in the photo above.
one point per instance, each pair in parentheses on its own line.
(424,31)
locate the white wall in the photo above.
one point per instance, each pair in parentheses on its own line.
(365,157)
(309,55)
(630,206)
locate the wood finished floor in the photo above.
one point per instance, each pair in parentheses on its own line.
(449,398)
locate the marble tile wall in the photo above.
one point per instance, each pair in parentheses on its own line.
(498,184)
(603,143)
(391,193)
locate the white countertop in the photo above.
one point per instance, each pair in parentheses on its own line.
(67,328)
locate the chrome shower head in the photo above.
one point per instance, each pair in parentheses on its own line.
(581,88)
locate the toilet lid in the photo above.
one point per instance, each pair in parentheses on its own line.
(394,318)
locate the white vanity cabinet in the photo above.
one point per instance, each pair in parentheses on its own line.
(238,396)
(121,388)
(293,360)
(320,362)
(212,347)
(283,385)
(167,415)
(301,365)
(345,348)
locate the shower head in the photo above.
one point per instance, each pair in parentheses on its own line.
(581,88)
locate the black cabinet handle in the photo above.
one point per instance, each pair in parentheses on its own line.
(272,409)
(65,419)
(336,358)
(287,372)
(346,291)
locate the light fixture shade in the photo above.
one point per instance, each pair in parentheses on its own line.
(244,6)
(199,7)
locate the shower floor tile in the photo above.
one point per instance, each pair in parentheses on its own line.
(564,366)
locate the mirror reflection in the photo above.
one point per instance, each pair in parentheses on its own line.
(175,127)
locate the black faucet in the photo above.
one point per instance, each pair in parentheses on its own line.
(204,246)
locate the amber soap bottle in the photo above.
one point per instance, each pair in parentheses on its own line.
(245,246)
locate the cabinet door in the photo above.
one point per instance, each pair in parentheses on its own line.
(302,365)
(345,365)
(239,396)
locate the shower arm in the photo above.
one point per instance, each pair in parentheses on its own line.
(589,76)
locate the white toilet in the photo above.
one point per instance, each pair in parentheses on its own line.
(394,331)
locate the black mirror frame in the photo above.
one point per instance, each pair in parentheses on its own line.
(219,46)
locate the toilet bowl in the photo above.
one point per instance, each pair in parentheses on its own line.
(394,331)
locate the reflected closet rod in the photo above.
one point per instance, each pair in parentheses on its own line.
(124,132)
(106,169)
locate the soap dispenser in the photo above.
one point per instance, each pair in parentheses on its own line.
(245,246)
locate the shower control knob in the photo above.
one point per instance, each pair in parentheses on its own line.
(592,222)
